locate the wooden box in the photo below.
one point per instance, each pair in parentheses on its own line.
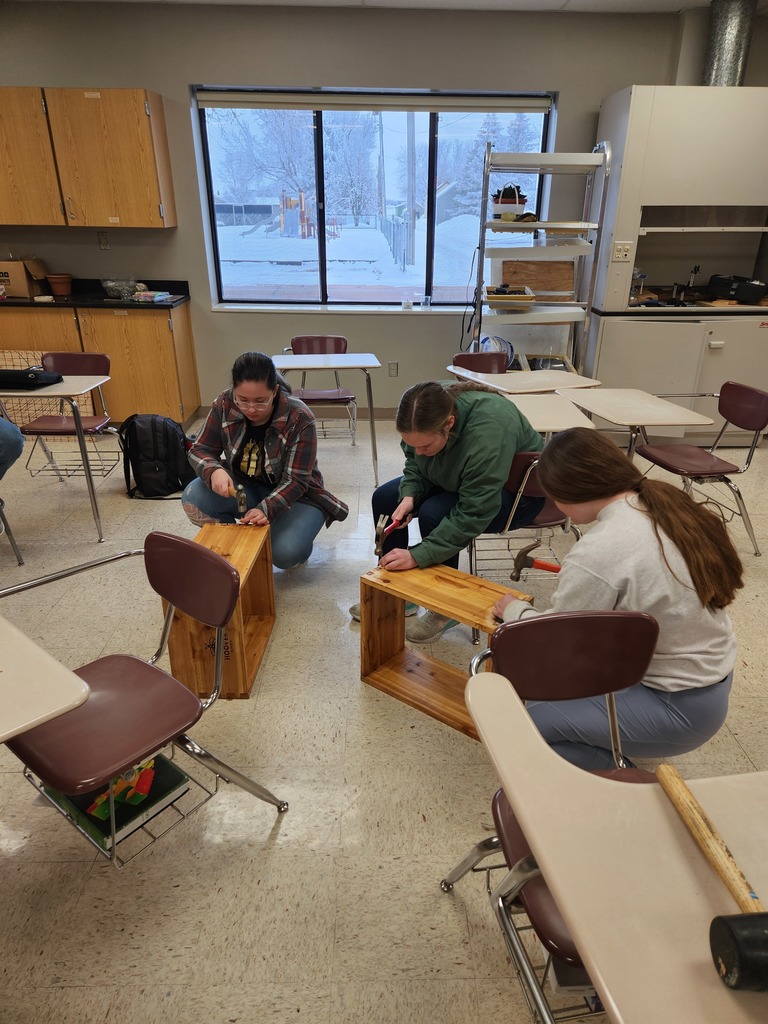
(190,644)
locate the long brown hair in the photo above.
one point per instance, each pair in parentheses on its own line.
(582,465)
(426,408)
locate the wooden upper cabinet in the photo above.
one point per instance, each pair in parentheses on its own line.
(112,157)
(30,189)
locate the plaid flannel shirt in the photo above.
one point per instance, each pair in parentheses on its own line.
(290,454)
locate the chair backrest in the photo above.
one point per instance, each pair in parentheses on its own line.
(78,364)
(744,406)
(318,344)
(570,655)
(522,473)
(482,362)
(192,578)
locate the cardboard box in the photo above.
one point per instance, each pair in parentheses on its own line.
(23,278)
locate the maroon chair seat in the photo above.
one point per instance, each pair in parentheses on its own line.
(739,404)
(341,395)
(133,710)
(64,426)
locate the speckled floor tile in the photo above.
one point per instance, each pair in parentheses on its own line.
(330,913)
(392,923)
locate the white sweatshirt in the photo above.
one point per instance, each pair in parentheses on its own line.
(619,564)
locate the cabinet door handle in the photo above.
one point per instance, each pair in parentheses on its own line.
(70,207)
(715,344)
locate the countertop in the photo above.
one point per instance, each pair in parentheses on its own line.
(89,294)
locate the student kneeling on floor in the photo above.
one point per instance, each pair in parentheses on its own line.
(459,440)
(268,440)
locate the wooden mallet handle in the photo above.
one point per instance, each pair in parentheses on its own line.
(709,839)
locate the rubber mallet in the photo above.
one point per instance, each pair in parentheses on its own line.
(739,942)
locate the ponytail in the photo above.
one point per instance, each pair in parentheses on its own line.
(582,465)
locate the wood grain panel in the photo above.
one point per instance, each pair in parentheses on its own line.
(105,151)
(47,330)
(190,645)
(143,368)
(413,677)
(542,277)
(30,186)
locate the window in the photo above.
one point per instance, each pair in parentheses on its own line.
(370,198)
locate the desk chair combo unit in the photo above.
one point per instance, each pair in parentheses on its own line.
(325,344)
(739,405)
(136,709)
(523,482)
(554,657)
(59,426)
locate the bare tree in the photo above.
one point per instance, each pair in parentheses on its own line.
(349,140)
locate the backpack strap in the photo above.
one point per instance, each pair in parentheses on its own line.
(122,434)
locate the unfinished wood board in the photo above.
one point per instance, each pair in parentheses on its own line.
(543,278)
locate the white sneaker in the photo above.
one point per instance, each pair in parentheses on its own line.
(410,609)
(428,627)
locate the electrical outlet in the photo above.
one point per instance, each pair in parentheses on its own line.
(394,369)
(622,252)
(103,239)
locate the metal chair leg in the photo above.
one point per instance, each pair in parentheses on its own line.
(6,528)
(742,511)
(485,848)
(224,771)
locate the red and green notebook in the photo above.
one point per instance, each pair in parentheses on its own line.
(167,782)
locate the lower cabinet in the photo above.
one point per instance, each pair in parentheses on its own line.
(25,329)
(152,359)
(680,356)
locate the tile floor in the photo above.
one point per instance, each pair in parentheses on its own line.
(332,913)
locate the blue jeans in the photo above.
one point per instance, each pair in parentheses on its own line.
(652,723)
(11,445)
(436,506)
(292,534)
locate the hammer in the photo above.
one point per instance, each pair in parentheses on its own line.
(382,531)
(738,942)
(242,499)
(525,560)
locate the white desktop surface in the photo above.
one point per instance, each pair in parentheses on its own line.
(34,686)
(70,387)
(550,413)
(526,381)
(328,361)
(631,884)
(629,407)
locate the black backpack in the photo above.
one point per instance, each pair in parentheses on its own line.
(155,451)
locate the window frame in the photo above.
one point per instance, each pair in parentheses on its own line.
(322,100)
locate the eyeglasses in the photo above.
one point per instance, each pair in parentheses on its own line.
(259,403)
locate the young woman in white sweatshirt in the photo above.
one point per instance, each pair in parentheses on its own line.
(652,549)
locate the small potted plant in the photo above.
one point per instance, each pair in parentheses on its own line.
(510,199)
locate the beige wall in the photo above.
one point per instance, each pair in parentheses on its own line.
(168,47)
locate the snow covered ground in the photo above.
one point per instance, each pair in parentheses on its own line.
(265,266)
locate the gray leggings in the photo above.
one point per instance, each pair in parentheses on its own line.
(653,723)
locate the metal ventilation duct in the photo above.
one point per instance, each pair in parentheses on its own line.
(730,33)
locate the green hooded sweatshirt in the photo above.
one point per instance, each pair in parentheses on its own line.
(475,463)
